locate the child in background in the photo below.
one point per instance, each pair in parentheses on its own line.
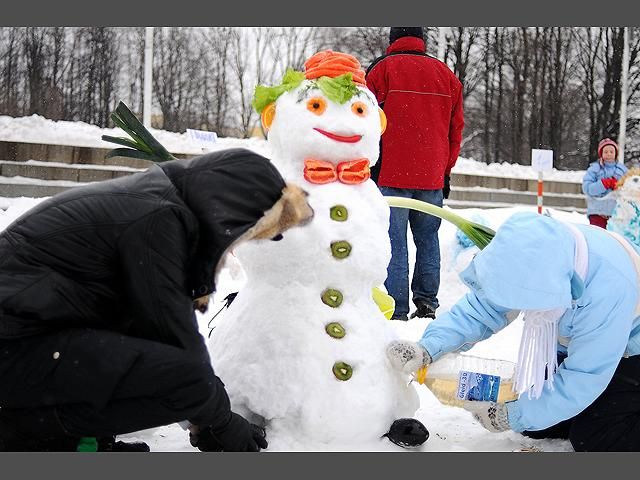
(600,180)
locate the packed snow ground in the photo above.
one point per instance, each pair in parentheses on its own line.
(451,429)
(37,129)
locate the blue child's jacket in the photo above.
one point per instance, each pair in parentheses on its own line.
(599,202)
(529,265)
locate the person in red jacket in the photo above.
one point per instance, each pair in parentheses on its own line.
(422,100)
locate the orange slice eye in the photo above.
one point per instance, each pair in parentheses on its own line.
(317,105)
(359,108)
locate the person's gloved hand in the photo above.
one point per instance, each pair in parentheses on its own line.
(407,357)
(238,435)
(446,190)
(609,183)
(491,415)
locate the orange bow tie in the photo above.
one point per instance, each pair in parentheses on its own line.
(351,173)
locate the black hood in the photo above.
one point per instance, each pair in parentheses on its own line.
(228,192)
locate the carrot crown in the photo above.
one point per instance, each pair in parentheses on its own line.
(336,74)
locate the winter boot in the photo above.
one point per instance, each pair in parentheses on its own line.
(34,430)
(424,310)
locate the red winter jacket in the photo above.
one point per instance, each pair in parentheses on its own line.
(422,99)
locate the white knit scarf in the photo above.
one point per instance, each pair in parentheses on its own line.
(537,356)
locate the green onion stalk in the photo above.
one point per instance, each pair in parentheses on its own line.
(479,234)
(141,145)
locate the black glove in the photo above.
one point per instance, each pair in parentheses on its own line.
(238,435)
(446,190)
(109,444)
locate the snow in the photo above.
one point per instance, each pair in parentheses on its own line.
(37,129)
(81,166)
(472,167)
(291,354)
(451,428)
(19,180)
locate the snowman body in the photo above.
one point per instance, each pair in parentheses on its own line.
(302,347)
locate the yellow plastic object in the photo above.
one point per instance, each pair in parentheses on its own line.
(421,375)
(385,302)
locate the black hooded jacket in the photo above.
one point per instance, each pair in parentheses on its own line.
(131,254)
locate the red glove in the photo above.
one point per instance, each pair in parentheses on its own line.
(609,183)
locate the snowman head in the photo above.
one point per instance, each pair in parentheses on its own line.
(325,113)
(629,185)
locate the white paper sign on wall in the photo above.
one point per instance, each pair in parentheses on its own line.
(202,138)
(541,160)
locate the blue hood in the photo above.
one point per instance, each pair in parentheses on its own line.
(528,265)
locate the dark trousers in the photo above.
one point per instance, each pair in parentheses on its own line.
(425,283)
(612,422)
(599,220)
(101,383)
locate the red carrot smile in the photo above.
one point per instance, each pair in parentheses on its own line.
(339,138)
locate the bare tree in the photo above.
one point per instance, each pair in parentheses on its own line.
(489,89)
(461,49)
(538,87)
(98,72)
(216,93)
(10,40)
(600,59)
(293,45)
(35,52)
(175,75)
(251,70)
(558,86)
(131,79)
(364,43)
(499,52)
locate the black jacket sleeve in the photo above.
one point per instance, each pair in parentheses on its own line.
(154,260)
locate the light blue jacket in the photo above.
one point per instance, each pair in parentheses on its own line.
(530,265)
(598,201)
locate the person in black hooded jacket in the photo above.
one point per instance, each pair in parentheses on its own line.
(98,287)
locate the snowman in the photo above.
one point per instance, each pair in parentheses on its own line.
(625,219)
(301,350)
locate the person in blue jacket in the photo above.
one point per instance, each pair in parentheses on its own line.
(578,288)
(600,180)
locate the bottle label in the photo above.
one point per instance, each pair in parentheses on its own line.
(477,386)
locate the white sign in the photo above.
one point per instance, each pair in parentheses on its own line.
(541,160)
(202,138)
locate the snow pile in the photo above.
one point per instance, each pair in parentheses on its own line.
(280,299)
(512,170)
(451,429)
(37,129)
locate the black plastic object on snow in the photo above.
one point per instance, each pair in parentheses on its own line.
(227,301)
(109,444)
(142,144)
(407,433)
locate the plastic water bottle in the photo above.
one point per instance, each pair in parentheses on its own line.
(455,379)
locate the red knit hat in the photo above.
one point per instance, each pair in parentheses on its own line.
(603,143)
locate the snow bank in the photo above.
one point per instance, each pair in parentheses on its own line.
(451,429)
(37,129)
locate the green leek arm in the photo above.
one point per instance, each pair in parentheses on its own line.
(479,234)
(142,143)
